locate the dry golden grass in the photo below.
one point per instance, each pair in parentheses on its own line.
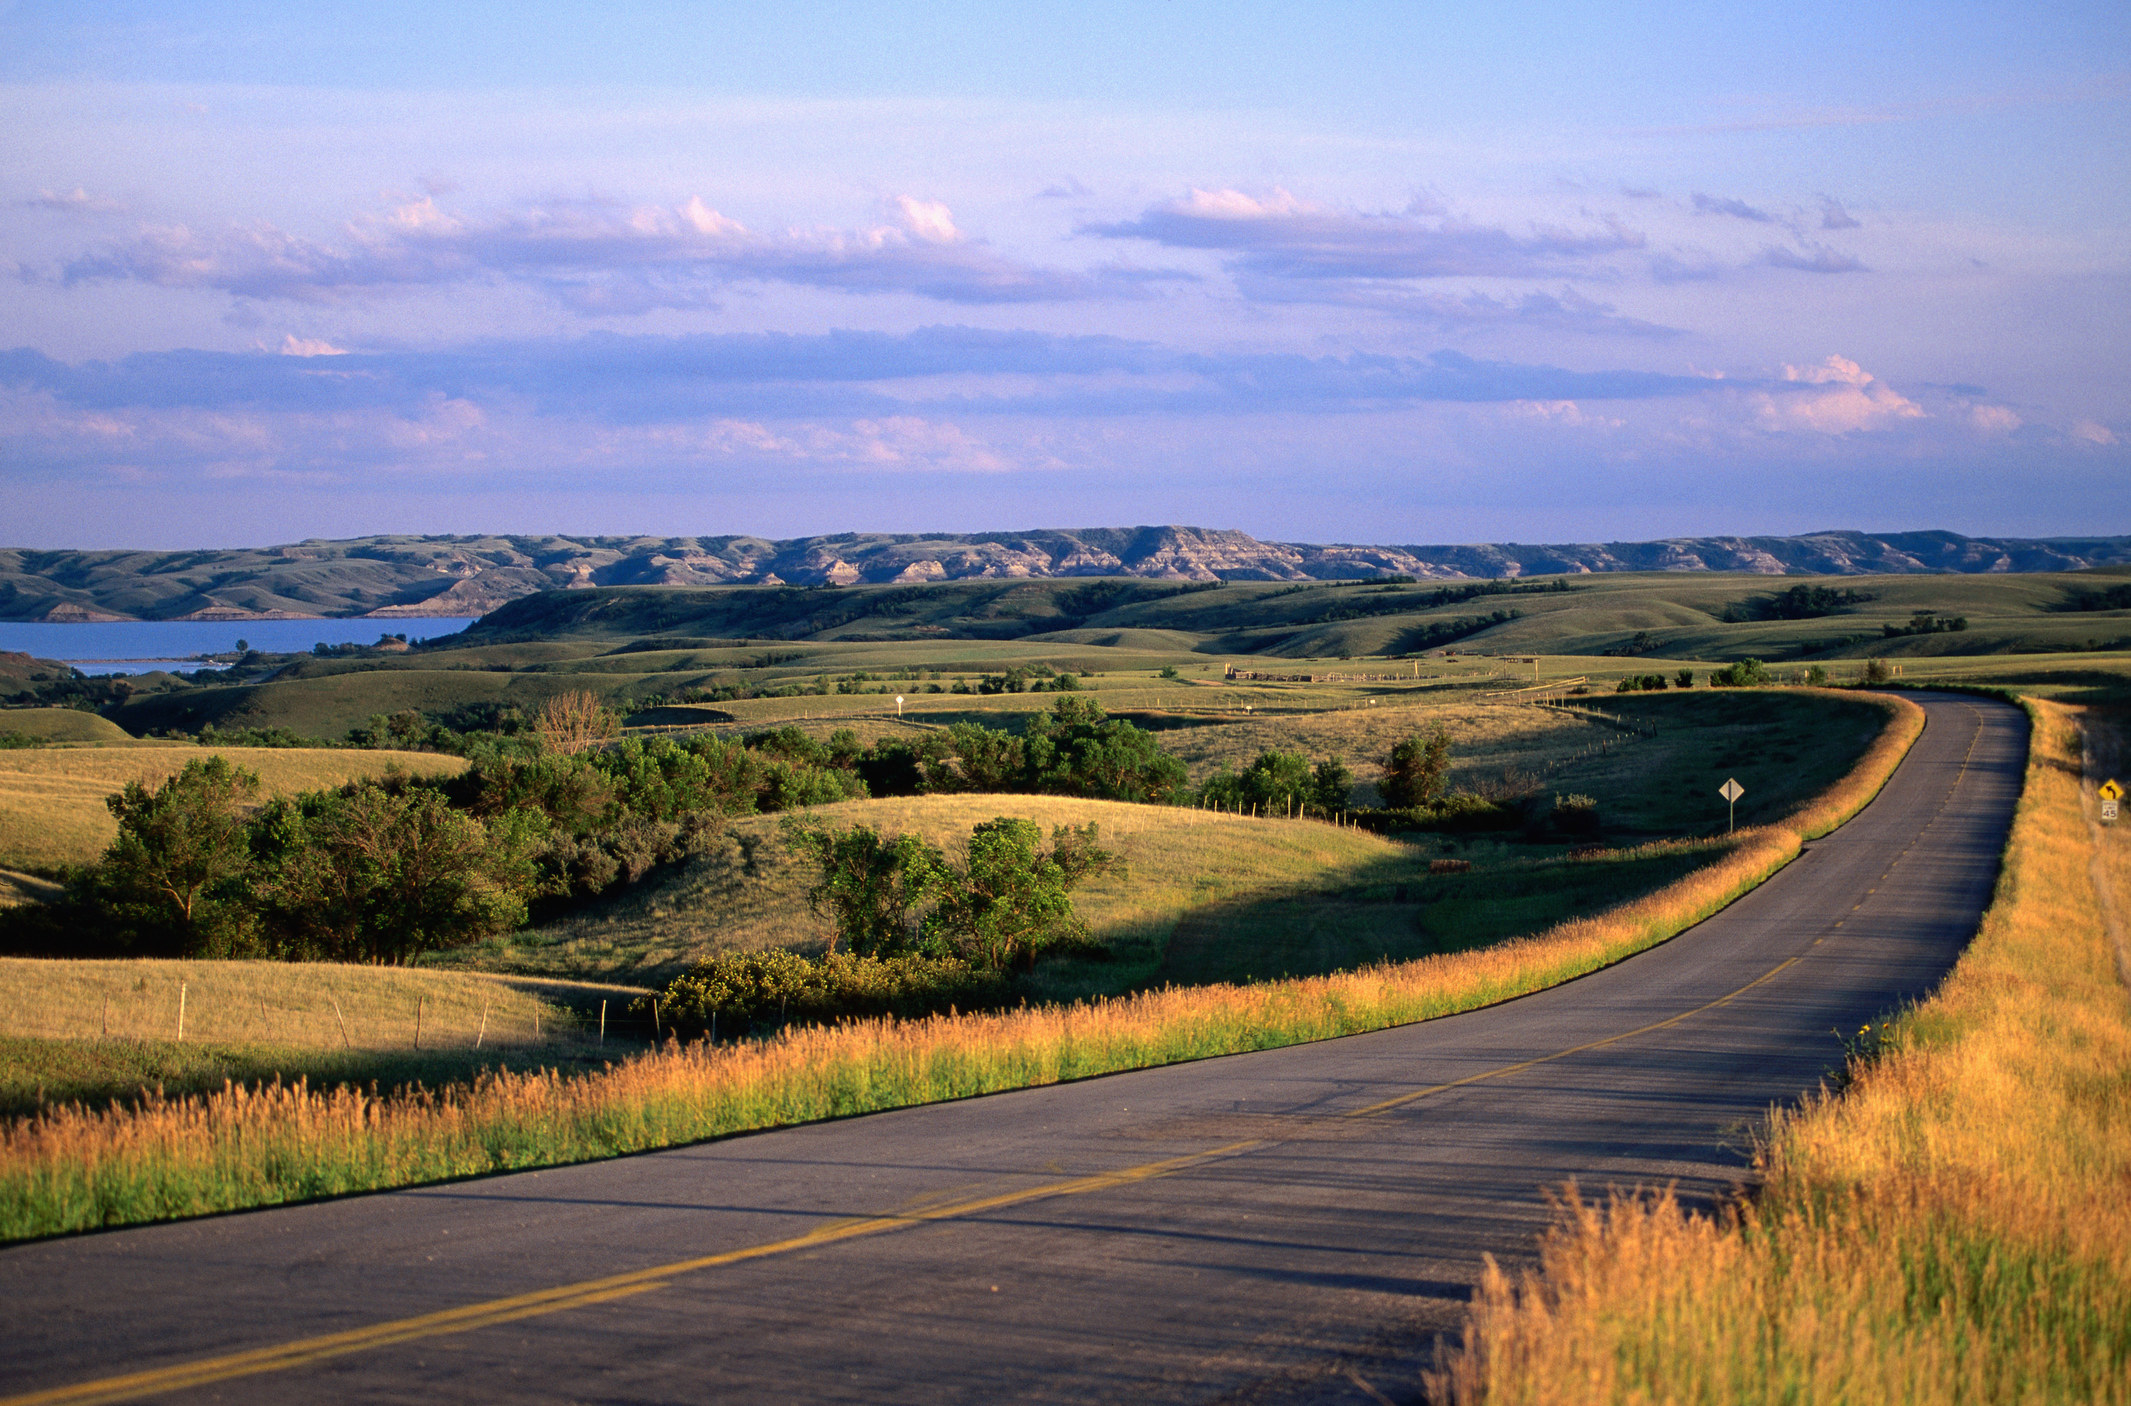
(289,1004)
(1955,1227)
(52,799)
(72,1168)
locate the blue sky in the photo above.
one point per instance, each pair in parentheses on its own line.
(1351,272)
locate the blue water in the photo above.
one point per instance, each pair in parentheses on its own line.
(138,646)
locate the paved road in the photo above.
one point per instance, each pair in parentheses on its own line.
(1292,1225)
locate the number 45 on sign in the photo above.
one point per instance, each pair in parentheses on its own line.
(2110,794)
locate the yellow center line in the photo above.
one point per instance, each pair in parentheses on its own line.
(303,1351)
(1406,1098)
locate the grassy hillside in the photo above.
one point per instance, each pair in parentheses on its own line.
(52,799)
(1273,896)
(640,646)
(60,725)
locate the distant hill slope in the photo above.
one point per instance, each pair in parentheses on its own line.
(396,576)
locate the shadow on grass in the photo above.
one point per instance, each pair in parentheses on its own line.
(1397,910)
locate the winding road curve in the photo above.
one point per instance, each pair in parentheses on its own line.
(1293,1225)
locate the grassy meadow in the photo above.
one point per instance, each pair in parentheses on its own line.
(1209,897)
(74,1167)
(1951,1227)
(52,809)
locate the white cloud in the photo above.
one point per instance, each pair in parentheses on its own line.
(2094,432)
(1993,419)
(293,345)
(1836,397)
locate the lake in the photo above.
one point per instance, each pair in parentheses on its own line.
(138,646)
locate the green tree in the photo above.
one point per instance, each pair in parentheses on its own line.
(1414,772)
(1008,903)
(1330,784)
(872,885)
(182,854)
(372,873)
(1074,750)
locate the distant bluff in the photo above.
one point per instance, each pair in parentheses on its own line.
(385,577)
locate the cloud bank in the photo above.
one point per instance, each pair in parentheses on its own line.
(598,257)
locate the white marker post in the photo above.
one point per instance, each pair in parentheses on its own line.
(898,705)
(1731,790)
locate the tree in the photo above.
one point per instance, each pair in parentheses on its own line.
(1007,904)
(1330,784)
(183,851)
(1413,774)
(1074,750)
(372,873)
(570,723)
(870,884)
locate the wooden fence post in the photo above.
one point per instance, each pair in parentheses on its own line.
(482,1033)
(418,1022)
(342,1022)
(603,1022)
(181,1012)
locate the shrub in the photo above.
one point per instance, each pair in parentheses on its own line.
(741,991)
(1747,673)
(1575,815)
(1413,774)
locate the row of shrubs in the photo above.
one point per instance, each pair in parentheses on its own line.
(744,993)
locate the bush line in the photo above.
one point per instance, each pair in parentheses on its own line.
(72,1169)
(1950,1228)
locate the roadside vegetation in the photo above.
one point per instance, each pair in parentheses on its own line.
(1949,1226)
(70,1168)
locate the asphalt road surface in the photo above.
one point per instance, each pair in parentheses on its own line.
(1293,1225)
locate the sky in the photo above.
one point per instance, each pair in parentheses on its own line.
(1409,273)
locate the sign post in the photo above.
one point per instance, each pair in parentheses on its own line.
(2110,794)
(898,705)
(1731,790)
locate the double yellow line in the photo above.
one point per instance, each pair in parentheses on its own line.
(305,1351)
